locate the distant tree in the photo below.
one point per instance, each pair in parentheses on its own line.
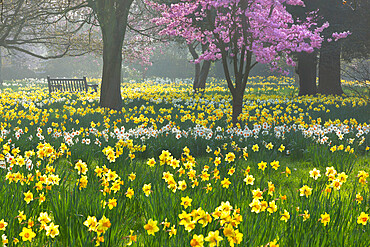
(307,71)
(357,45)
(356,48)
(347,17)
(335,13)
(306,66)
(201,68)
(195,48)
(343,16)
(359,72)
(26,25)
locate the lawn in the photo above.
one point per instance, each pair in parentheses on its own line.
(171,169)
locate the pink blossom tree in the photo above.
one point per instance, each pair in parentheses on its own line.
(241,33)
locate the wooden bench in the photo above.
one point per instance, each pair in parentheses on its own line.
(70,85)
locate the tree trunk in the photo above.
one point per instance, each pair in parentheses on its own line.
(204,71)
(306,71)
(196,76)
(329,69)
(110,95)
(204,74)
(112,17)
(194,54)
(201,71)
(237,105)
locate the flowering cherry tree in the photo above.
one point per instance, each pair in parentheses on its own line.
(241,33)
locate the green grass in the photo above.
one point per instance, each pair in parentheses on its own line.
(69,206)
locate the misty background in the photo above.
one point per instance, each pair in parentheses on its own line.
(172,62)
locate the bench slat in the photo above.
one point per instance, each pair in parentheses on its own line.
(70,86)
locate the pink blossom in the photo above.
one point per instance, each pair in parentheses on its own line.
(263,27)
(341,35)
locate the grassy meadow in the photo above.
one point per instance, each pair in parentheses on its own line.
(171,169)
